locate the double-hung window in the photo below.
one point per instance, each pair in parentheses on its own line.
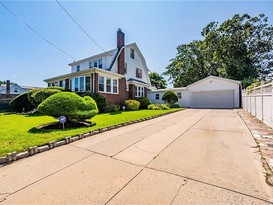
(108,85)
(91,64)
(115,86)
(100,63)
(132,53)
(139,91)
(87,83)
(138,73)
(101,83)
(95,64)
(81,84)
(78,68)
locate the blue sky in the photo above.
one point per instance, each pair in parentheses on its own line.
(157,27)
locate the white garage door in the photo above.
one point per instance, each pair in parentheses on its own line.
(212,99)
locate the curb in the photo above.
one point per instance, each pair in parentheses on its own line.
(14,156)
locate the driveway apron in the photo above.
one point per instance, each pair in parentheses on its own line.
(188,157)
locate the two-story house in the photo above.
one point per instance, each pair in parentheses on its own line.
(118,74)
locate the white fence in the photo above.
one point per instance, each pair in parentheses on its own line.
(259,102)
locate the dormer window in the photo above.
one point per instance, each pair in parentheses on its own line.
(132,53)
(138,73)
(91,65)
(96,64)
(100,63)
(78,68)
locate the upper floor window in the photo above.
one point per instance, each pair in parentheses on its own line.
(138,73)
(91,64)
(132,53)
(100,63)
(95,63)
(78,68)
(157,96)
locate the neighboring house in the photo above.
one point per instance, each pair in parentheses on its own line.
(210,92)
(118,74)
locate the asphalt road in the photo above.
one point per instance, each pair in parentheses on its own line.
(189,157)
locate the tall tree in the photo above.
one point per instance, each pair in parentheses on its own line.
(240,48)
(157,80)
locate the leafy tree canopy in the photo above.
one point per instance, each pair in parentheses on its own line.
(157,80)
(240,48)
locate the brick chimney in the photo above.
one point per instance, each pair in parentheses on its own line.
(120,44)
(120,39)
(8,87)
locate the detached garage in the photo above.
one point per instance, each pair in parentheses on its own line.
(210,92)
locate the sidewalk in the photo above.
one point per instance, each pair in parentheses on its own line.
(263,136)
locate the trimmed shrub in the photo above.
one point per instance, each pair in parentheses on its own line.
(158,107)
(100,100)
(36,96)
(71,105)
(144,102)
(132,105)
(175,106)
(154,107)
(112,108)
(169,97)
(164,107)
(21,103)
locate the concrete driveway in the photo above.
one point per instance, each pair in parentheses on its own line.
(189,157)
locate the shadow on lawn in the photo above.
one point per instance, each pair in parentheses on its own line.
(57,127)
(116,113)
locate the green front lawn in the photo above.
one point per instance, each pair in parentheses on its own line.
(18,133)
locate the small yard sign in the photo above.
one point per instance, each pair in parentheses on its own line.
(62,119)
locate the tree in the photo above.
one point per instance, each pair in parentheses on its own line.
(157,80)
(240,48)
(169,97)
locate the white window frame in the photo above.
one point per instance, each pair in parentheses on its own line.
(100,76)
(105,85)
(139,91)
(91,64)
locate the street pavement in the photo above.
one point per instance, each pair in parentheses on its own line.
(193,156)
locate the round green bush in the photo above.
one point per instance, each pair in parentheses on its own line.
(21,103)
(132,105)
(36,96)
(169,97)
(144,102)
(100,100)
(71,105)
